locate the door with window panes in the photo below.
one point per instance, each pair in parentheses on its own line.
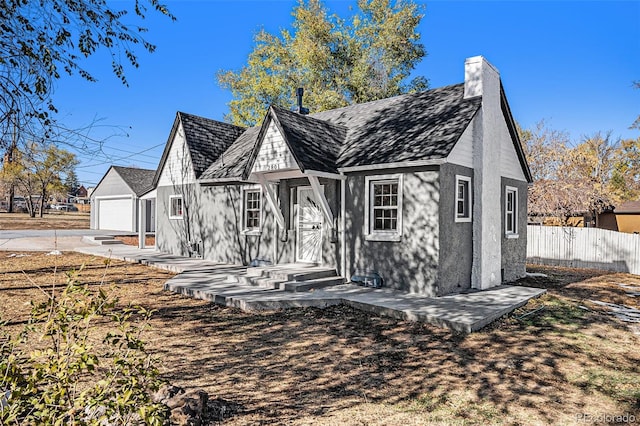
(310,221)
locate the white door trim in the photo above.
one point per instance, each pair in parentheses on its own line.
(298,223)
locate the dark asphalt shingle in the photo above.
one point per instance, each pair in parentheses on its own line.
(207,139)
(410,127)
(314,143)
(234,162)
(139,180)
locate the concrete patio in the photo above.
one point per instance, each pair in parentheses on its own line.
(228,285)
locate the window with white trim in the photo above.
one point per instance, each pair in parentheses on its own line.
(383,219)
(511,212)
(252,211)
(176,205)
(463,199)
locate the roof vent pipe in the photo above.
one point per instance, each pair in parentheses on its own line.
(301,109)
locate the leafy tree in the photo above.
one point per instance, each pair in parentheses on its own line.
(545,149)
(625,178)
(568,181)
(592,160)
(71,184)
(337,61)
(38,170)
(42,40)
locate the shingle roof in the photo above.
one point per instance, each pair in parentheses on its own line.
(628,207)
(139,180)
(410,127)
(207,139)
(233,163)
(314,143)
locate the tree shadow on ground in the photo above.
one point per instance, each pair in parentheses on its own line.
(288,365)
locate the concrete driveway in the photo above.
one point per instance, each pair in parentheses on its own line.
(48,239)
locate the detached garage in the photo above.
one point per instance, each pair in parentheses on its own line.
(114,201)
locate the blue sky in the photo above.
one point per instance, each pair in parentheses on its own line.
(571,63)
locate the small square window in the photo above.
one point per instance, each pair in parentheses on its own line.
(463,199)
(176,207)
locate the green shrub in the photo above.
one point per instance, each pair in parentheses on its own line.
(62,369)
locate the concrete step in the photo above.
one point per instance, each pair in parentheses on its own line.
(100,240)
(290,278)
(313,275)
(262,282)
(298,286)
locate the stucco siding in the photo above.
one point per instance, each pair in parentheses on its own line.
(514,250)
(410,264)
(213,216)
(456,238)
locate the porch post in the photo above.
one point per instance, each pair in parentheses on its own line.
(142,222)
(319,193)
(271,199)
(343,231)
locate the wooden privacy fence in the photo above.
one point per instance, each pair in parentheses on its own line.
(583,248)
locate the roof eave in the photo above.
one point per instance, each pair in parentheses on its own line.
(167,148)
(393,165)
(223,181)
(506,111)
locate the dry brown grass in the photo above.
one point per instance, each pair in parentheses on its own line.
(342,366)
(54,220)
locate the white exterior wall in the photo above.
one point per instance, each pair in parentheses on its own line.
(462,152)
(274,153)
(111,186)
(482,79)
(510,166)
(177,169)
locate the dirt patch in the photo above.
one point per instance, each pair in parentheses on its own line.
(132,240)
(550,362)
(57,220)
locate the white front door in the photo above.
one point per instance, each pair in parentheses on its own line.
(309,227)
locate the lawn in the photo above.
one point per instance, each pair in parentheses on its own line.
(552,361)
(52,220)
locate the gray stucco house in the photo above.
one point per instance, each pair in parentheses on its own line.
(115,200)
(428,189)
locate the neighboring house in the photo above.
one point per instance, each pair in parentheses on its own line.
(114,201)
(623,218)
(81,192)
(427,189)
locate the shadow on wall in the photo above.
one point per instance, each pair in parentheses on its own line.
(410,264)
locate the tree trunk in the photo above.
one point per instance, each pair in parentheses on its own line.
(12,193)
(32,211)
(42,204)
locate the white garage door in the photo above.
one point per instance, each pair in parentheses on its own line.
(116,214)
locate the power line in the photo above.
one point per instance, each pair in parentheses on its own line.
(115,160)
